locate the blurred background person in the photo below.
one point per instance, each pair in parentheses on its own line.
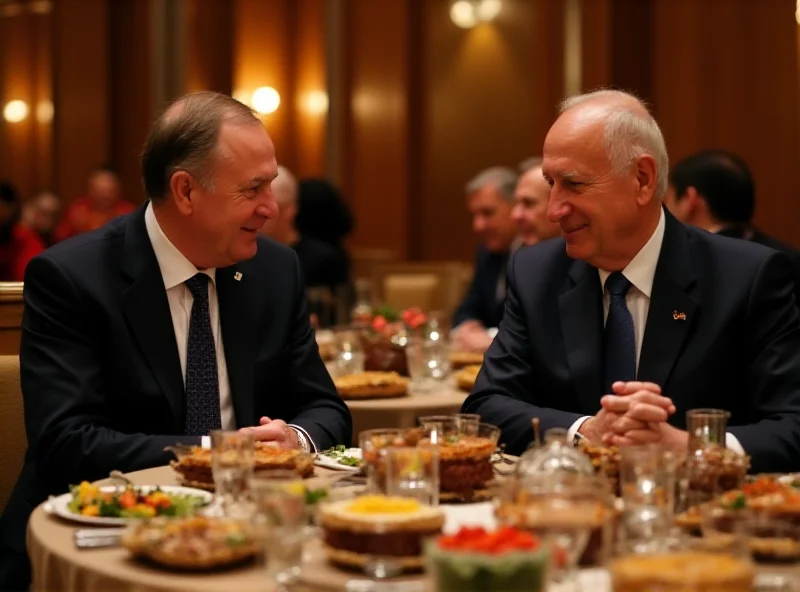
(714,190)
(18,243)
(41,214)
(490,200)
(102,202)
(530,205)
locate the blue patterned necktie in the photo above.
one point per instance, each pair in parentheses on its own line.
(620,339)
(202,381)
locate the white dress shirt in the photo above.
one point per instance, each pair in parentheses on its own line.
(176,269)
(640,272)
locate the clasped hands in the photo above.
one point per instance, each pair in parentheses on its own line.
(274,431)
(636,413)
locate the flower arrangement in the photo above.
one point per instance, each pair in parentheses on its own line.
(389,322)
(387,336)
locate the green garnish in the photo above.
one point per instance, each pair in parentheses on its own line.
(315,495)
(338,453)
(235,539)
(737,503)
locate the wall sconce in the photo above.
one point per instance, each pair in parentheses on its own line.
(265,100)
(15,111)
(469,13)
(44,111)
(316,102)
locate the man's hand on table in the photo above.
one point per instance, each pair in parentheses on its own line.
(471,336)
(275,431)
(636,413)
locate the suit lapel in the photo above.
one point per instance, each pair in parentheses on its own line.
(674,306)
(581,313)
(146,309)
(237,318)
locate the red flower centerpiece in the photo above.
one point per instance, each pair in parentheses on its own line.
(386,336)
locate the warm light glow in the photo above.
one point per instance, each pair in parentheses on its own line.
(797,12)
(463,14)
(241,96)
(489,9)
(44,112)
(15,111)
(265,100)
(468,13)
(317,102)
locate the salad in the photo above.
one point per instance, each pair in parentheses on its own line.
(339,454)
(131,502)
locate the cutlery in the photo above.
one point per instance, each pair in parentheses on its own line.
(98,538)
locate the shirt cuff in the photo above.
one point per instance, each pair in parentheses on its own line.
(732,443)
(303,435)
(205,441)
(573,429)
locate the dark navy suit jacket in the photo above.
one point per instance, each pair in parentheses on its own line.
(480,303)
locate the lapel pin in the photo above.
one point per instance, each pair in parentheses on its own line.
(237,276)
(678,316)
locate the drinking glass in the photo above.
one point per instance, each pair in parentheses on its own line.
(232,458)
(413,472)
(439,428)
(467,423)
(373,444)
(647,483)
(349,352)
(282,517)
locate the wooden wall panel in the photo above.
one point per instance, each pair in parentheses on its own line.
(728,78)
(209,45)
(42,75)
(490,94)
(81,92)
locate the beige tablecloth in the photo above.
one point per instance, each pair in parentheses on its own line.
(402,412)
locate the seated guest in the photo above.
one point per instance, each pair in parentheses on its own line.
(18,243)
(169,322)
(319,261)
(490,199)
(41,214)
(631,319)
(102,202)
(714,190)
(530,205)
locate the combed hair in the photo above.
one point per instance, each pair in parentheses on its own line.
(502,178)
(284,187)
(627,134)
(185,138)
(529,163)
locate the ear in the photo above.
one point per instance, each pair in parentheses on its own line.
(646,172)
(181,187)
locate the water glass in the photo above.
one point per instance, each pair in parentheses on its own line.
(413,472)
(467,424)
(374,444)
(349,352)
(232,459)
(439,428)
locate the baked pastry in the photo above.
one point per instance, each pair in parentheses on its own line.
(371,385)
(505,560)
(195,543)
(466,377)
(355,530)
(461,359)
(605,460)
(194,469)
(690,571)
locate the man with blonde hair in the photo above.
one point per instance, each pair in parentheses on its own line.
(632,319)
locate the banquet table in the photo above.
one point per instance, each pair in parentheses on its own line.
(58,565)
(402,412)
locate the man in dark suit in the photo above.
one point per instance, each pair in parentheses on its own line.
(490,199)
(714,190)
(635,314)
(169,322)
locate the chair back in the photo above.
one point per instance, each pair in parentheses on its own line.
(431,286)
(13,441)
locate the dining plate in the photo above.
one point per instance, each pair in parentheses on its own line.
(331,461)
(59,506)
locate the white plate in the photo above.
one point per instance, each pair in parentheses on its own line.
(331,463)
(59,506)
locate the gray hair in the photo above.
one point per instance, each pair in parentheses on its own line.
(529,164)
(284,187)
(503,179)
(186,137)
(630,132)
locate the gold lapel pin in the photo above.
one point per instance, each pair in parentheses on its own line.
(678,316)
(237,276)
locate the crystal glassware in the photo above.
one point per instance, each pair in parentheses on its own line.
(413,472)
(232,460)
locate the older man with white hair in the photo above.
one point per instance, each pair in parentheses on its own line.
(631,319)
(318,261)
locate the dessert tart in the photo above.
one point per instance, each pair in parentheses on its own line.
(354,531)
(196,543)
(466,377)
(461,359)
(371,385)
(605,460)
(505,560)
(194,469)
(689,571)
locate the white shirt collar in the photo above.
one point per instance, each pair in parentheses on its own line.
(642,268)
(175,267)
